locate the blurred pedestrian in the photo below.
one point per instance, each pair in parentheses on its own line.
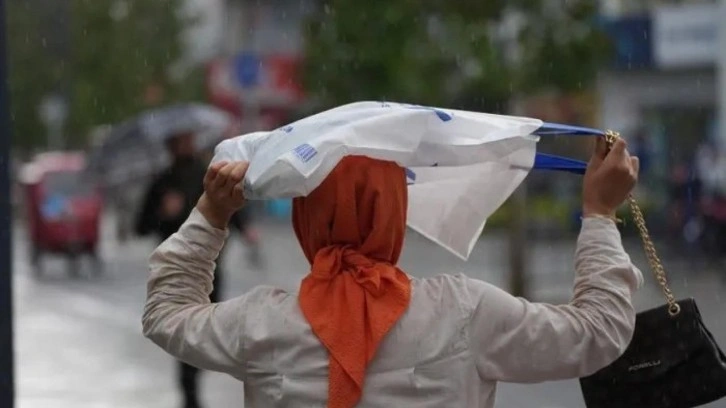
(711,171)
(643,150)
(361,332)
(167,203)
(684,194)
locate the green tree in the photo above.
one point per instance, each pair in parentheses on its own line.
(103,54)
(467,54)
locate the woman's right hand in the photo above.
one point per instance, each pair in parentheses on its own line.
(222,192)
(610,177)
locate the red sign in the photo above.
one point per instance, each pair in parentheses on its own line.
(278,84)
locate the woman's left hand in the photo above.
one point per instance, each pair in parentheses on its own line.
(222,192)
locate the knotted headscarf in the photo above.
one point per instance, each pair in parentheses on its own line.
(351,229)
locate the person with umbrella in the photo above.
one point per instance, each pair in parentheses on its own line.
(168,202)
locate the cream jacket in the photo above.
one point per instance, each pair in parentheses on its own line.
(459,337)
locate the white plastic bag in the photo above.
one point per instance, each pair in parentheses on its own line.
(461,165)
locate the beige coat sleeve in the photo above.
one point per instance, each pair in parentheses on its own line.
(178,316)
(515,340)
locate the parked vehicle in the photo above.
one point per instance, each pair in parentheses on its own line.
(63,209)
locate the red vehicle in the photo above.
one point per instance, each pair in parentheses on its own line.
(63,209)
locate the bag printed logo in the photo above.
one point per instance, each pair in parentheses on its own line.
(445,117)
(305,152)
(648,364)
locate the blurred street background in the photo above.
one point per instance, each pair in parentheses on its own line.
(83,76)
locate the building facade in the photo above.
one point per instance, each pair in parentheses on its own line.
(665,90)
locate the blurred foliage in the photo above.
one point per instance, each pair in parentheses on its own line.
(466,54)
(545,209)
(562,216)
(105,56)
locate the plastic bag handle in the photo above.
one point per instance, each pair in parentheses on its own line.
(543,161)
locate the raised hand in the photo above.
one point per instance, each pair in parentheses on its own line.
(610,177)
(222,192)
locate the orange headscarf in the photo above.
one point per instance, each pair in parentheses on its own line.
(351,229)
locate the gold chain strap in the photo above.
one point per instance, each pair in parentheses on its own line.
(655,264)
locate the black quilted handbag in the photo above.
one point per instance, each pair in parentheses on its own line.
(672,360)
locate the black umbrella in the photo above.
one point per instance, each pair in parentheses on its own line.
(133,150)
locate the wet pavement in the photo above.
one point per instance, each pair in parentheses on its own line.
(79,343)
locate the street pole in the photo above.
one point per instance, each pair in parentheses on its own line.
(7,386)
(721,77)
(54,106)
(518,243)
(250,101)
